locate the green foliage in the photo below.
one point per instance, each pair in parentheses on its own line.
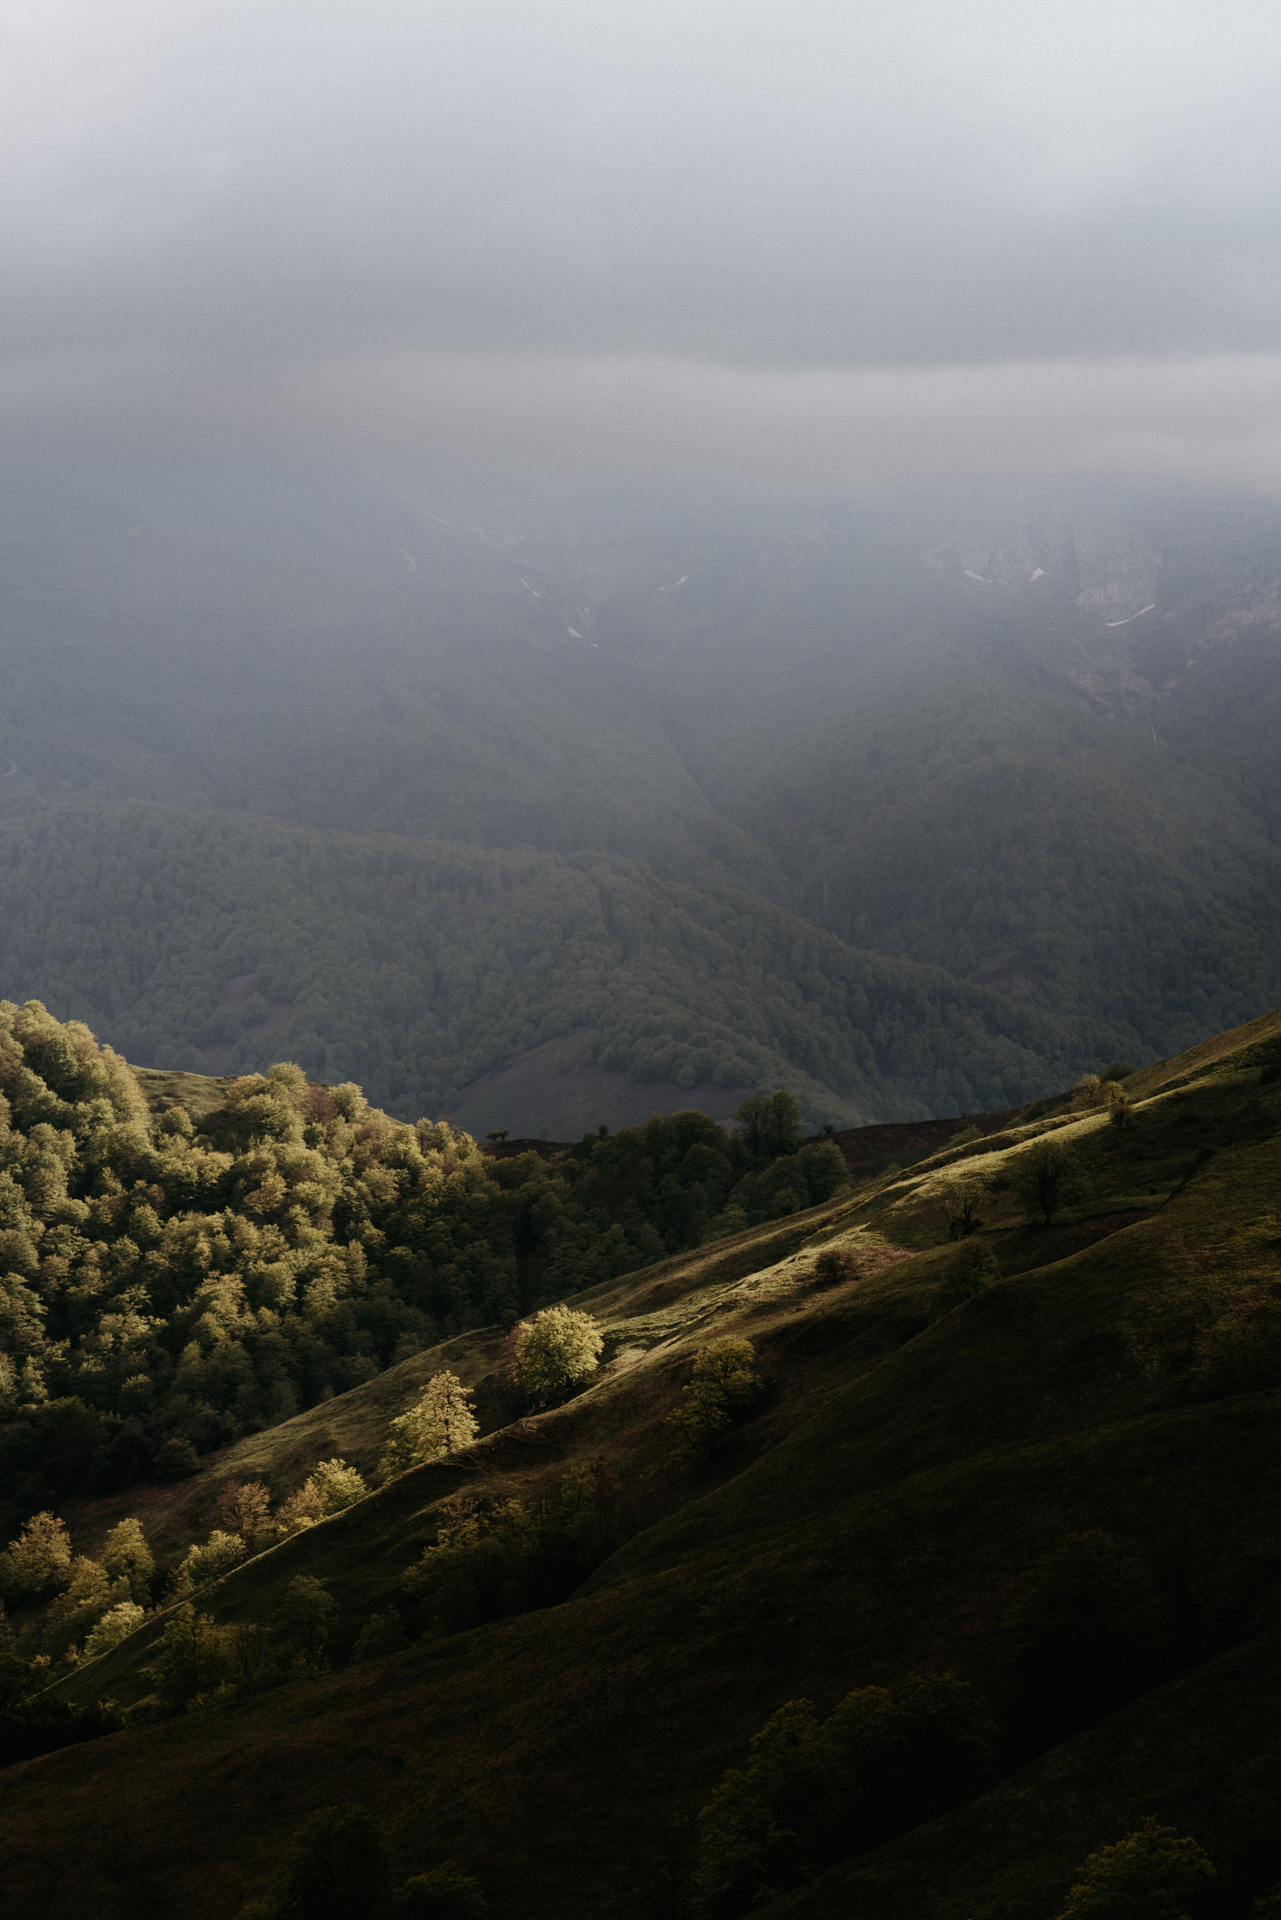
(1088,1632)
(835,1265)
(441,1421)
(1048,1176)
(446,1893)
(970,1272)
(39,1560)
(493,1559)
(966,1197)
(33,1722)
(776,1822)
(305,1617)
(381,1634)
(115,1625)
(126,1556)
(1152,1874)
(556,1350)
(769,1125)
(723,1387)
(813,1793)
(338,1485)
(914,1751)
(337,1866)
(192,1657)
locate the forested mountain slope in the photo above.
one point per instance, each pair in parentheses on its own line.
(1023,740)
(1044,1450)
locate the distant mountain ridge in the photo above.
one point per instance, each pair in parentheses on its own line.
(913,727)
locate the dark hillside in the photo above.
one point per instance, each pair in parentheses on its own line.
(932,1429)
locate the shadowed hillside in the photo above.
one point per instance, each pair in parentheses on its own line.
(938,1416)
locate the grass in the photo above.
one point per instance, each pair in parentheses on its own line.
(875,1517)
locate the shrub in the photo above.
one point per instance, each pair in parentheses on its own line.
(971,1272)
(834,1266)
(442,1421)
(1150,1875)
(812,1794)
(556,1349)
(722,1387)
(1117,1070)
(338,1485)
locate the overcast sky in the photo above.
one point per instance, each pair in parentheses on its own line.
(806,242)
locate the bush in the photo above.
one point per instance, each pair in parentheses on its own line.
(971,1272)
(834,1266)
(1150,1875)
(305,1617)
(555,1350)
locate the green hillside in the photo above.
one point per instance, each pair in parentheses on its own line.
(940,1419)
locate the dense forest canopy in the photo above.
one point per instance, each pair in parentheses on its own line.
(167,1284)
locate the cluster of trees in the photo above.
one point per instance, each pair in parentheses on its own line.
(414,967)
(338,1864)
(165,1287)
(815,1791)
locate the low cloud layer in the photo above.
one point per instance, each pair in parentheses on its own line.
(821,243)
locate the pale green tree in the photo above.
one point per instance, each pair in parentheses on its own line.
(722,1387)
(338,1485)
(209,1561)
(1151,1874)
(441,1422)
(247,1510)
(115,1625)
(126,1556)
(556,1349)
(40,1558)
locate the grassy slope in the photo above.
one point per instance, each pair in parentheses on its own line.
(874,1519)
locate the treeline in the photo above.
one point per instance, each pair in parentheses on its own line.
(166,1287)
(416,966)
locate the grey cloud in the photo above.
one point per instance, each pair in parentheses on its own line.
(343,227)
